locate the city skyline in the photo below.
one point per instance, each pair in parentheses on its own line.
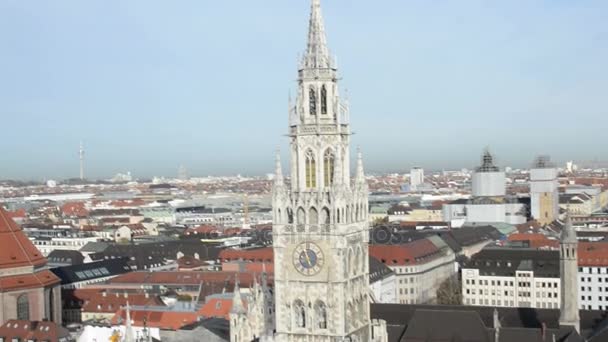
(151,97)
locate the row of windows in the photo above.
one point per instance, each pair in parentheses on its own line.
(510,303)
(510,283)
(402,292)
(404,281)
(599,280)
(493,283)
(592,270)
(320,315)
(600,298)
(543,284)
(599,289)
(510,293)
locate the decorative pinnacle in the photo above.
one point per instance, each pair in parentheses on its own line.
(237,301)
(278,170)
(337,168)
(360,176)
(317,53)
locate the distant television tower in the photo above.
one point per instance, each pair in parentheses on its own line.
(81,154)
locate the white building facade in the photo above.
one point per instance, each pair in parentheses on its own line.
(489,202)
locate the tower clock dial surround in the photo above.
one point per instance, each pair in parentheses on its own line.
(308,258)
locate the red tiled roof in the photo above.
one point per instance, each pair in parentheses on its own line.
(21,213)
(216,308)
(232,231)
(535,240)
(593,253)
(167,320)
(32,331)
(189,262)
(74,209)
(27,281)
(183,278)
(103,302)
(530,225)
(259,254)
(259,267)
(16,250)
(136,202)
(410,253)
(200,230)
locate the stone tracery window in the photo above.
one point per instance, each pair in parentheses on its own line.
(323,100)
(312,99)
(311,170)
(321,315)
(328,167)
(300,314)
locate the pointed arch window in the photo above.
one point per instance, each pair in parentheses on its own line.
(323,100)
(328,168)
(23,308)
(313,216)
(312,99)
(300,314)
(321,315)
(311,170)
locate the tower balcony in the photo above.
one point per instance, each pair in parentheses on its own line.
(319,129)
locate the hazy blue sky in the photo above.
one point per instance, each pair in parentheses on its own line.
(152,84)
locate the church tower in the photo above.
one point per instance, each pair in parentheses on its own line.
(320,229)
(568,261)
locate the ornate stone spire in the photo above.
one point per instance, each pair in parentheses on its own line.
(317,54)
(237,300)
(360,175)
(278,170)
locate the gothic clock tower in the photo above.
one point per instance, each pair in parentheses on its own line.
(320,227)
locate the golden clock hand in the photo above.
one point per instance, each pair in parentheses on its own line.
(308,258)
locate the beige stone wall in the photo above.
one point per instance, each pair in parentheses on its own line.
(40,304)
(8,300)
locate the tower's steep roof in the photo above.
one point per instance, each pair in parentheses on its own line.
(568,232)
(317,54)
(16,250)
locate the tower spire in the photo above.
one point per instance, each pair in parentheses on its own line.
(317,53)
(569,315)
(568,234)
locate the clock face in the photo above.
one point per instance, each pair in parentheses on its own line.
(308,258)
